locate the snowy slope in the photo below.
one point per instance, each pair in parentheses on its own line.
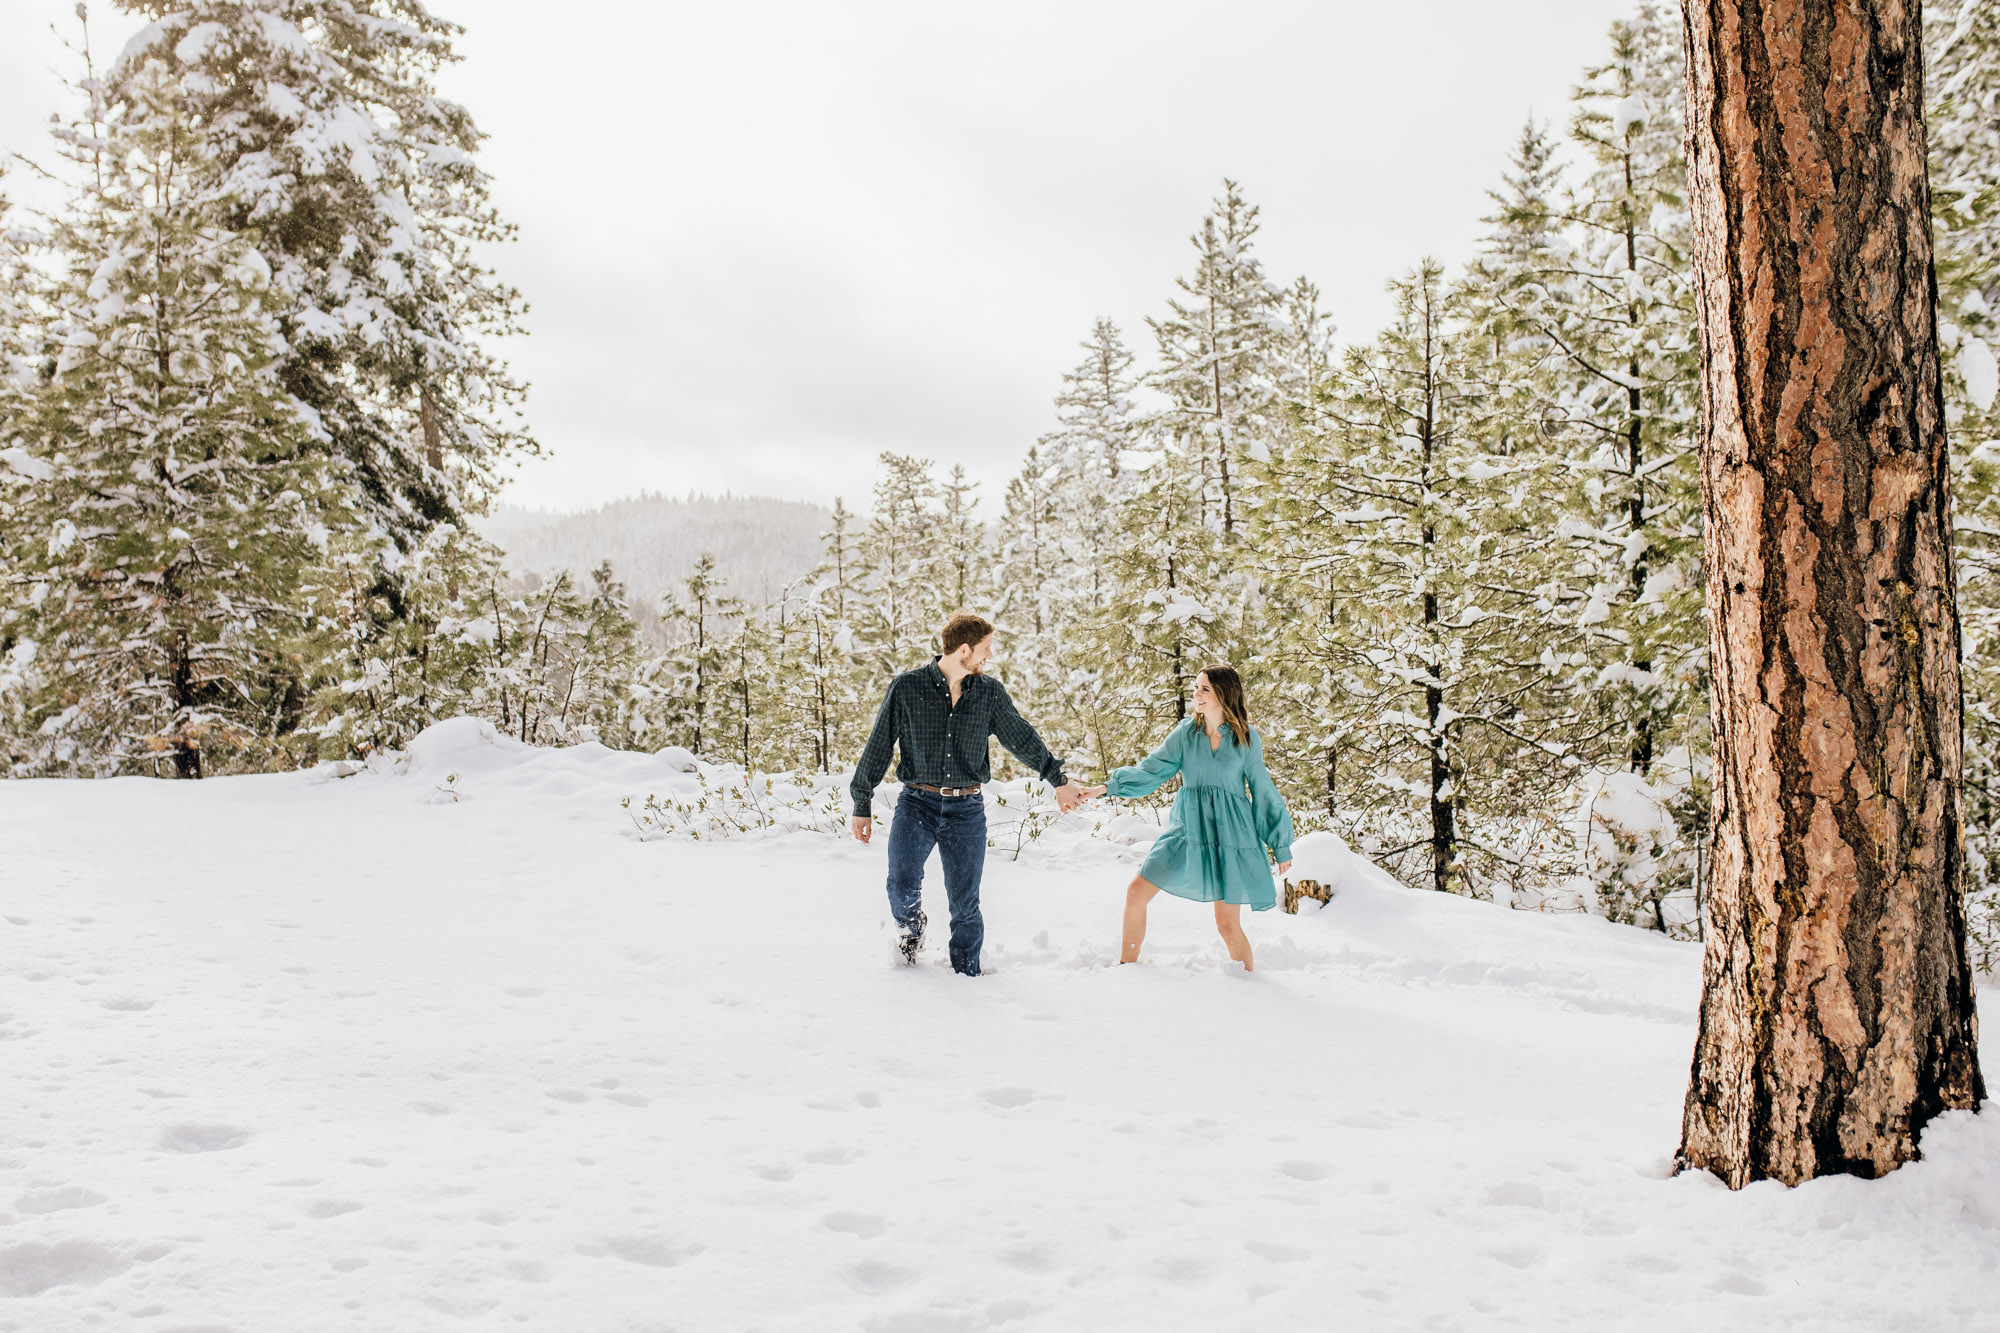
(395,1053)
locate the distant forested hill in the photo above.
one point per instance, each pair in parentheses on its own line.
(653,541)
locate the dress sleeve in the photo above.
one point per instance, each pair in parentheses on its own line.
(1151,773)
(1274,821)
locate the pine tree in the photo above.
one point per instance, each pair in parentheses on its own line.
(20,353)
(899,552)
(1838,1015)
(1628,334)
(179,493)
(600,656)
(1161,623)
(1215,359)
(1963,56)
(693,672)
(358,185)
(1056,542)
(960,566)
(1030,545)
(390,669)
(817,670)
(1424,635)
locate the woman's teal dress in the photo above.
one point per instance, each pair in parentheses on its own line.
(1226,814)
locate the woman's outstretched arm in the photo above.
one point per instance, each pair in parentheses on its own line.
(1151,773)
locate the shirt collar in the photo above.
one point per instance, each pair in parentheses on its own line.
(936,673)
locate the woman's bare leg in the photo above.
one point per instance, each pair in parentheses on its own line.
(1229,924)
(1137,894)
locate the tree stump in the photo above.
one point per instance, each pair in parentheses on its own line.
(1306,888)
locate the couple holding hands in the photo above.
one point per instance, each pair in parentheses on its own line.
(939,717)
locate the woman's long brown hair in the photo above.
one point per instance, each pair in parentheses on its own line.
(1228,687)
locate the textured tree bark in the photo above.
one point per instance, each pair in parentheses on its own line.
(1837,1014)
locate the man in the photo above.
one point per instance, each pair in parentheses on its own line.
(939,717)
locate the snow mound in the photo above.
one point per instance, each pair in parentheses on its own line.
(678,758)
(460,743)
(1325,858)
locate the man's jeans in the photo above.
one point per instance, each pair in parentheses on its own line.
(956,826)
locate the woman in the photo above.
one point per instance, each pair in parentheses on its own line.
(1226,814)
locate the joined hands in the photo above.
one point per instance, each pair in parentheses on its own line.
(1068,797)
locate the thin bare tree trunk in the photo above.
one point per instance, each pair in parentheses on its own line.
(433,436)
(1837,1014)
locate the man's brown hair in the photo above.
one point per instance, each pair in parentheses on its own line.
(962,629)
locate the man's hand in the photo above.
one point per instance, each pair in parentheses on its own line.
(1068,797)
(863,827)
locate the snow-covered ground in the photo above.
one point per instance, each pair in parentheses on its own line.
(396,1054)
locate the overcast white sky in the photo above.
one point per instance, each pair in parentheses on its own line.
(764,242)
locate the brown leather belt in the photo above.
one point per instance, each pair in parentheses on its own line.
(946,791)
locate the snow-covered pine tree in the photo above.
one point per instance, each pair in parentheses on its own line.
(599,660)
(1030,548)
(20,337)
(961,565)
(398,655)
(1428,619)
(899,550)
(1136,660)
(179,492)
(1098,424)
(1216,359)
(1056,540)
(530,682)
(818,674)
(690,676)
(751,695)
(20,353)
(1291,702)
(840,571)
(1627,330)
(359,185)
(1962,41)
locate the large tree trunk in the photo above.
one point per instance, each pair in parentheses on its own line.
(1837,1014)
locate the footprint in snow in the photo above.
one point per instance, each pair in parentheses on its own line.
(55,1200)
(865,1225)
(1029,1258)
(203,1138)
(126,1004)
(1516,1194)
(830,1156)
(1009,1097)
(1277,1254)
(874,1277)
(647,1251)
(325,1208)
(1305,1170)
(31,1269)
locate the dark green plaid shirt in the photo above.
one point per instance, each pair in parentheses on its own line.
(944,746)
